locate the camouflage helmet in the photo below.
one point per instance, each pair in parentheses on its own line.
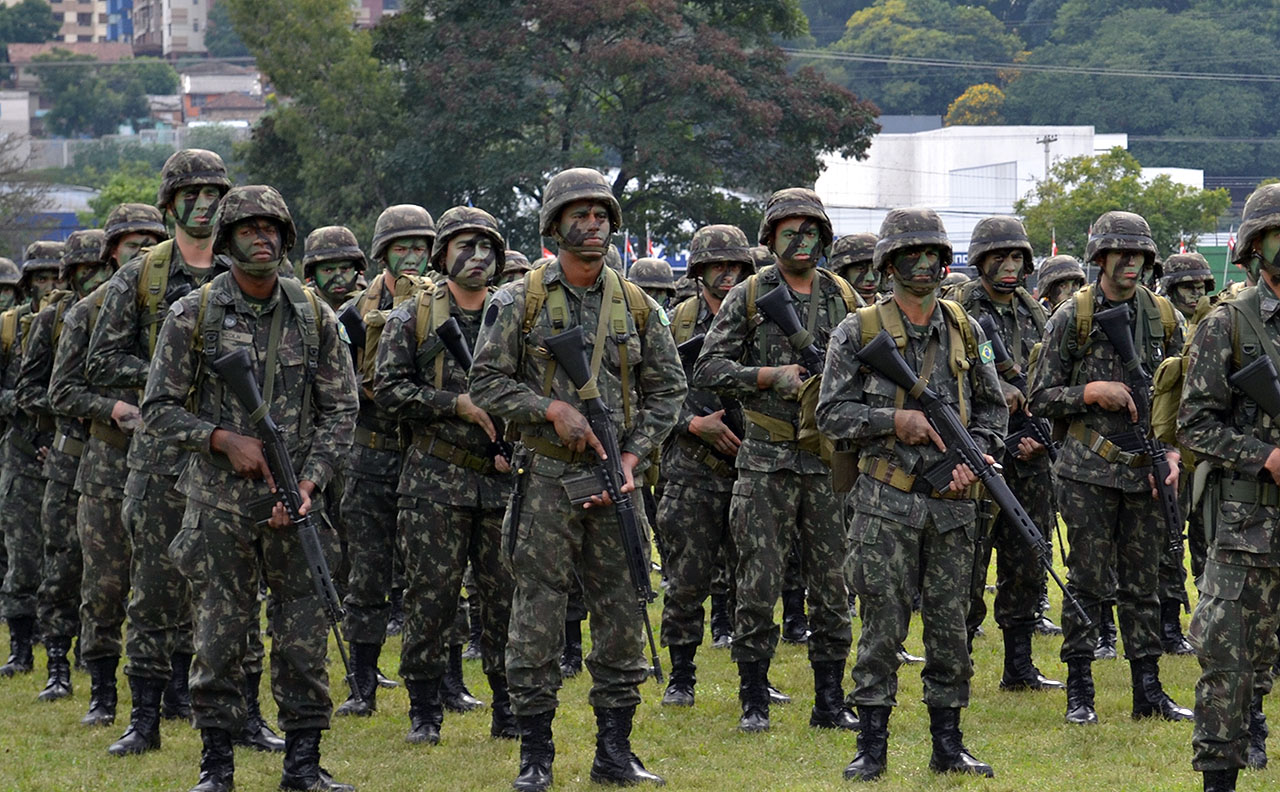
(1055,269)
(612,258)
(82,247)
(132,218)
(10,273)
(188,168)
(652,273)
(516,263)
(331,243)
(1000,232)
(461,219)
(401,220)
(1261,212)
(41,256)
(1117,230)
(761,257)
(794,202)
(1185,267)
(852,249)
(716,243)
(954,278)
(543,261)
(904,228)
(577,184)
(254,200)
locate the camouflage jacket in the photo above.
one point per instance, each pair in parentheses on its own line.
(735,351)
(33,389)
(23,437)
(1055,394)
(684,453)
(178,378)
(364,462)
(404,386)
(507,378)
(10,362)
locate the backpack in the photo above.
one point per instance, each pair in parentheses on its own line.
(153,280)
(375,319)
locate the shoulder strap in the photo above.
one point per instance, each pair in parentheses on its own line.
(535,294)
(153,280)
(637,304)
(964,350)
(303,303)
(1252,335)
(851,300)
(59,313)
(753,287)
(684,318)
(1034,308)
(8,329)
(1084,317)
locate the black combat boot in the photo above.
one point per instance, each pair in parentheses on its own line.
(680,689)
(1258,731)
(1149,698)
(302,768)
(872,758)
(1171,638)
(473,651)
(395,622)
(1044,625)
(426,713)
(614,762)
(537,752)
(721,622)
(753,693)
(503,724)
(22,631)
(1106,648)
(829,710)
(59,684)
(256,734)
(906,658)
(176,703)
(102,692)
(1020,673)
(1080,692)
(143,733)
(453,691)
(217,761)
(949,753)
(571,657)
(364,667)
(795,625)
(776,696)
(1220,780)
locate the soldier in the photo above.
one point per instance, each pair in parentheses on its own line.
(453,486)
(902,529)
(851,257)
(10,284)
(1104,489)
(698,463)
(332,261)
(653,275)
(22,482)
(309,388)
(10,295)
(783,495)
(1060,277)
(514,267)
(641,382)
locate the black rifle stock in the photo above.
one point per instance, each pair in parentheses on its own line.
(689,352)
(1258,381)
(236,371)
(351,321)
(1020,423)
(777,307)
(882,355)
(450,334)
(570,353)
(1114,323)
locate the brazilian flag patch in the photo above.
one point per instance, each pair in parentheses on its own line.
(662,317)
(985,354)
(342,333)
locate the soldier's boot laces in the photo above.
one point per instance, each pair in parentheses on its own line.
(753,694)
(721,622)
(58,686)
(571,656)
(1020,673)
(362,701)
(537,752)
(1080,692)
(143,733)
(615,763)
(1220,780)
(1149,698)
(176,702)
(872,758)
(256,734)
(1106,648)
(1258,731)
(426,713)
(217,762)
(795,625)
(503,724)
(1172,640)
(21,639)
(453,690)
(679,691)
(102,692)
(949,754)
(829,710)
(302,768)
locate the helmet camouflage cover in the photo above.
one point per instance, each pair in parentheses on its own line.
(1120,231)
(1261,212)
(762,257)
(132,218)
(1056,269)
(794,202)
(463,219)
(713,244)
(10,273)
(904,228)
(188,168)
(401,220)
(40,256)
(852,249)
(331,243)
(1000,232)
(1185,267)
(652,273)
(255,200)
(82,247)
(516,263)
(577,184)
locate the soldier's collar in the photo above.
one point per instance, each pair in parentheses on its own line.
(1268,304)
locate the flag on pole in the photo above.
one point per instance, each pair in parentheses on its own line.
(648,241)
(547,253)
(631,253)
(1053,243)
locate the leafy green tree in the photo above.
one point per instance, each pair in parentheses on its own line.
(28,22)
(92,100)
(220,36)
(979,104)
(136,182)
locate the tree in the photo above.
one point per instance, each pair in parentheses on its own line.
(979,104)
(28,22)
(220,36)
(1080,189)
(94,100)
(22,199)
(134,183)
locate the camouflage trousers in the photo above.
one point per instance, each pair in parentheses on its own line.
(886,562)
(223,556)
(21,497)
(1019,576)
(369,513)
(770,512)
(1234,631)
(1115,540)
(104,588)
(437,540)
(696,524)
(553,539)
(59,593)
(160,602)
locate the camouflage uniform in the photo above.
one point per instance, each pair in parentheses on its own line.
(10,275)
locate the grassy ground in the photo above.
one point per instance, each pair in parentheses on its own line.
(1022,735)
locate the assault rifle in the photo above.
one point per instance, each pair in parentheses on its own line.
(1258,381)
(351,321)
(1020,423)
(1114,323)
(689,352)
(778,307)
(450,333)
(882,355)
(236,371)
(570,353)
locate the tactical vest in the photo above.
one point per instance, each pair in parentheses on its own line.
(1157,320)
(965,293)
(685,318)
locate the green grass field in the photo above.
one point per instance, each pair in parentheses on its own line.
(1022,735)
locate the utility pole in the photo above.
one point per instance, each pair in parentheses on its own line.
(1046,141)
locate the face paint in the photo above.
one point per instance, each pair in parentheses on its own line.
(584,229)
(408,254)
(471,260)
(1003,270)
(797,241)
(918,269)
(41,284)
(193,209)
(87,277)
(1187,294)
(864,279)
(8,297)
(128,246)
(1123,268)
(720,277)
(255,246)
(1270,248)
(336,278)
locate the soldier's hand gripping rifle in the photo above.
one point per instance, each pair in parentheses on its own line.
(1114,323)
(777,307)
(570,353)
(450,333)
(732,418)
(882,355)
(1020,423)
(236,371)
